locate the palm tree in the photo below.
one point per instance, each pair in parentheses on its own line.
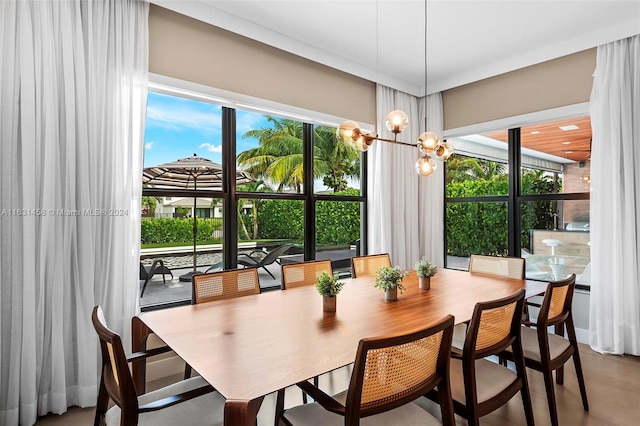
(257,186)
(279,159)
(461,168)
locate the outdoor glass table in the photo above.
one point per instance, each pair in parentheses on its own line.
(559,262)
(251,346)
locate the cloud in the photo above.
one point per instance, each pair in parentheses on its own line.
(184,116)
(148,145)
(211,147)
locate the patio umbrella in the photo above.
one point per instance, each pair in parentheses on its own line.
(190,173)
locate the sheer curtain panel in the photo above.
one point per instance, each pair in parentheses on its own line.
(399,214)
(73,98)
(615,199)
(431,189)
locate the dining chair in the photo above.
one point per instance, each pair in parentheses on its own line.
(478,385)
(304,273)
(389,374)
(502,266)
(188,402)
(546,352)
(368,265)
(226,284)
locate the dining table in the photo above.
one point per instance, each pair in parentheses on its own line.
(251,346)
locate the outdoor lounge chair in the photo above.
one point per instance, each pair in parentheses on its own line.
(147,272)
(261,259)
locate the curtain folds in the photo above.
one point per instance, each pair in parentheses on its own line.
(403,210)
(615,199)
(73,98)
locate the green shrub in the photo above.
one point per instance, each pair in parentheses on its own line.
(177,230)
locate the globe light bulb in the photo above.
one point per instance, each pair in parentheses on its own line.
(427,142)
(425,165)
(348,132)
(443,151)
(396,121)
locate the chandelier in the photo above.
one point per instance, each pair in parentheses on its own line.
(431,149)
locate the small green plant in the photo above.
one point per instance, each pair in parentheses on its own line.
(425,269)
(390,277)
(328,285)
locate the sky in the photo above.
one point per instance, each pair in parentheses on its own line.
(178,127)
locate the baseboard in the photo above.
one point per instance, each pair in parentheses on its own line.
(582,335)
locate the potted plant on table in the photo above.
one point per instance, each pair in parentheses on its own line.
(329,287)
(390,280)
(425,271)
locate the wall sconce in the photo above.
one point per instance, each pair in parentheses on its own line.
(430,147)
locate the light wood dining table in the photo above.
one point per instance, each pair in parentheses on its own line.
(251,346)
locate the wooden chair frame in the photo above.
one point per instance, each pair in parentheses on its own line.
(353,410)
(368,265)
(309,270)
(471,409)
(558,315)
(116,383)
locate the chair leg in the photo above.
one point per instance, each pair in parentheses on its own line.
(144,286)
(279,406)
(268,272)
(583,389)
(551,396)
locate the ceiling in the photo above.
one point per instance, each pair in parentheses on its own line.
(572,142)
(384,40)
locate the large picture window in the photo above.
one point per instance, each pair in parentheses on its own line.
(287,190)
(522,192)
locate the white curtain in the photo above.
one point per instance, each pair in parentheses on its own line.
(615,199)
(431,190)
(400,217)
(73,98)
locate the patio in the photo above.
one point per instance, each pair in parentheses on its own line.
(175,292)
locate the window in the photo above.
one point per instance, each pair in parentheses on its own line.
(293,184)
(534,205)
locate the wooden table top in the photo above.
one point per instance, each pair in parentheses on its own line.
(254,345)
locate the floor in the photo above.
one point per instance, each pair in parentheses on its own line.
(613,386)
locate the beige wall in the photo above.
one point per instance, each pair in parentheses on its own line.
(552,84)
(187,49)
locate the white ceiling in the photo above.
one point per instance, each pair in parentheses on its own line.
(383,40)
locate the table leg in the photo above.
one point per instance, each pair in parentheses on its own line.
(241,412)
(139,334)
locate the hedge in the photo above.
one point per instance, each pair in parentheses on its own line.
(177,230)
(481,227)
(337,222)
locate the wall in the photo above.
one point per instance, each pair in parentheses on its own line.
(552,84)
(191,50)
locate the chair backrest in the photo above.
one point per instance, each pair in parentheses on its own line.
(497,265)
(368,265)
(392,371)
(224,285)
(556,304)
(274,254)
(305,273)
(116,376)
(494,326)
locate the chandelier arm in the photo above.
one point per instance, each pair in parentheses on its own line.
(376,138)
